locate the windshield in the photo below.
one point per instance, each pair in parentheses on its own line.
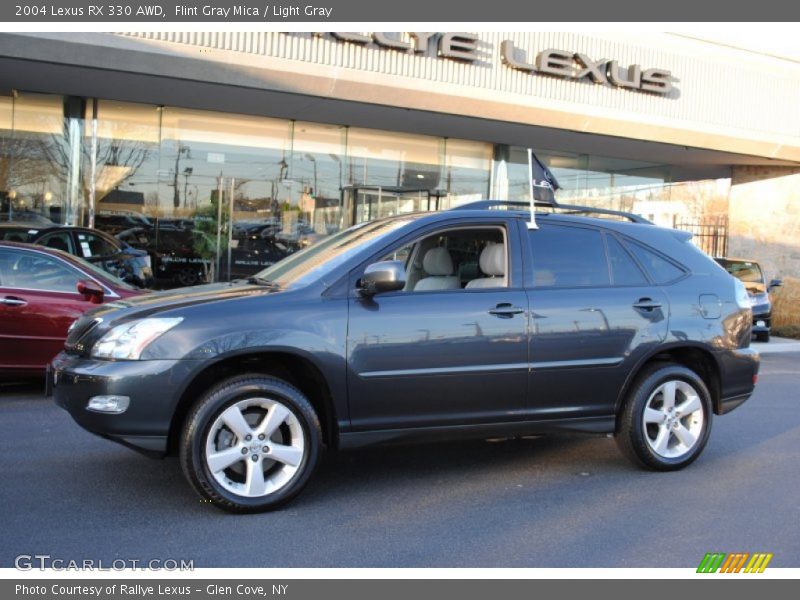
(316,261)
(748,272)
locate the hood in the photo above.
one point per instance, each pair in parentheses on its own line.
(156,302)
(139,307)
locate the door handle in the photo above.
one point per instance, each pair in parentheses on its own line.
(12,301)
(646,304)
(506,310)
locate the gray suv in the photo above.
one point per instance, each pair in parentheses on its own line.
(464,323)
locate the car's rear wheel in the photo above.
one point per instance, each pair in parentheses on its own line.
(250,444)
(666,420)
(187,277)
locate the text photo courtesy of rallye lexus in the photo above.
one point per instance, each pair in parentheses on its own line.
(427,326)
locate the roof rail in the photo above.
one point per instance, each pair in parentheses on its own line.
(569,208)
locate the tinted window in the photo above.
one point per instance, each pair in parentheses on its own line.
(59,241)
(95,245)
(747,271)
(14,235)
(624,270)
(660,269)
(568,257)
(34,271)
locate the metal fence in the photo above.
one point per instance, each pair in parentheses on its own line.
(710,233)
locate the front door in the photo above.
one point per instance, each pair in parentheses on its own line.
(446,350)
(38,302)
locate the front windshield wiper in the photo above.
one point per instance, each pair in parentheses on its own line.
(256,280)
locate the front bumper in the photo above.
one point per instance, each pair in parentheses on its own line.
(153,386)
(762,320)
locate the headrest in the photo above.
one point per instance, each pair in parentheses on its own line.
(437,261)
(493,260)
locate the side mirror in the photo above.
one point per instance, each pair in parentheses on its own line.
(385,276)
(774,283)
(91,291)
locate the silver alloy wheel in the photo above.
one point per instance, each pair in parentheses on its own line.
(673,419)
(255,447)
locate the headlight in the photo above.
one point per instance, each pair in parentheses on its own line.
(128,341)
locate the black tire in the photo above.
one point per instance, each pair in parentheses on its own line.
(223,396)
(187,277)
(632,434)
(762,336)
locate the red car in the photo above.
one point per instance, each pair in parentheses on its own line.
(42,291)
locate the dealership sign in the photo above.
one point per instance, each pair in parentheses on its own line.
(575,66)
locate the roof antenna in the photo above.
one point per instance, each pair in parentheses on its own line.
(531,183)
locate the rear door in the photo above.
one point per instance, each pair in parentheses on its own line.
(38,302)
(594,314)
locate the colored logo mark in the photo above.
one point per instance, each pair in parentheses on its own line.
(738,562)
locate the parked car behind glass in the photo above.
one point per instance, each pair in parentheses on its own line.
(99,248)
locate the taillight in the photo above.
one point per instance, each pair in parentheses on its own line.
(742,297)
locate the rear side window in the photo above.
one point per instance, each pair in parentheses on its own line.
(624,270)
(568,257)
(60,241)
(659,268)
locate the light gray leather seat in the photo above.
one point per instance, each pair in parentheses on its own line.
(493,264)
(438,264)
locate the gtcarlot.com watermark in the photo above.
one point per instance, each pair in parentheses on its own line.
(43,562)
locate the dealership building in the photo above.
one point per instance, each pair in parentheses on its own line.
(316,131)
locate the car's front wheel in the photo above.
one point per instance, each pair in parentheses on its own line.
(250,444)
(666,420)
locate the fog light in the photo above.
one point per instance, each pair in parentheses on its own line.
(108,404)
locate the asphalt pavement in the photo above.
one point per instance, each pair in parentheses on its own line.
(558,501)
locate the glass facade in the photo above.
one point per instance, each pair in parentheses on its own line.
(213,196)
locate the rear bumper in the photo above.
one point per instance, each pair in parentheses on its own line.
(739,371)
(153,386)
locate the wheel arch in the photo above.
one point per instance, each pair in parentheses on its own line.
(291,366)
(694,357)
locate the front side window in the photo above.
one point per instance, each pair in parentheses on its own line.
(568,257)
(95,245)
(455,259)
(34,271)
